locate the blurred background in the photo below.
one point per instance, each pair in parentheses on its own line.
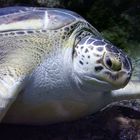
(119,22)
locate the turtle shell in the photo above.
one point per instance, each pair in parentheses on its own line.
(20,18)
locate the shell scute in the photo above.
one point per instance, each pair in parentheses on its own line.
(24,18)
(12,10)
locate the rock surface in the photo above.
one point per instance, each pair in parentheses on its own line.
(118,121)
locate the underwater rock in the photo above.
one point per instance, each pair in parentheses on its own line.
(118,121)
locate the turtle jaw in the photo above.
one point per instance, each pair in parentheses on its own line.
(104,83)
(117,80)
(118,69)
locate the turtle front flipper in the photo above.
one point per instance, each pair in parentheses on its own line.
(19,56)
(9,89)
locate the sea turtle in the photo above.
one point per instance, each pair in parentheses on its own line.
(54,66)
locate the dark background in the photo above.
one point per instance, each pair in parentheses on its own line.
(119,22)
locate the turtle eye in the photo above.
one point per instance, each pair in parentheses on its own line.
(112,62)
(109,62)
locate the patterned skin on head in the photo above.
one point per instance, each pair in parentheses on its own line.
(99,59)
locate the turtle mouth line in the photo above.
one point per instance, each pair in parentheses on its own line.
(91,79)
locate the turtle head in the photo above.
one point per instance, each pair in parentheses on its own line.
(100,65)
